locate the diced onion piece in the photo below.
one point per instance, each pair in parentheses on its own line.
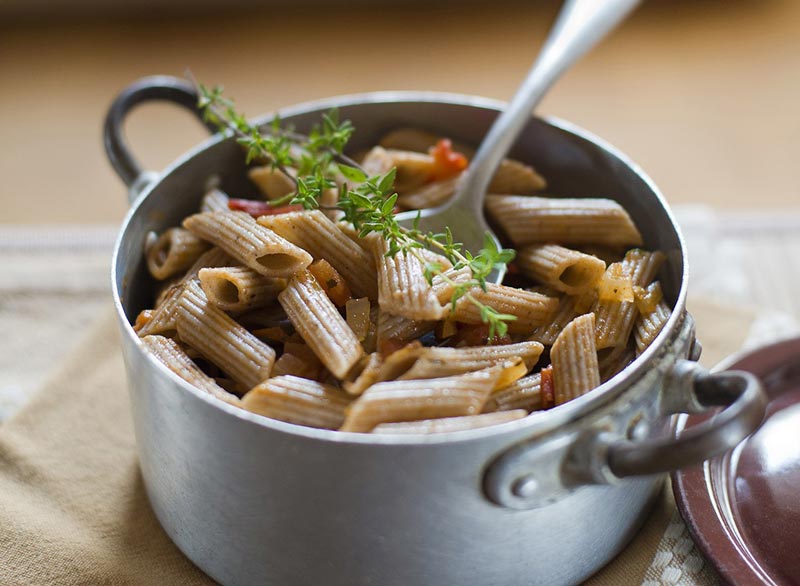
(615,285)
(513,370)
(647,299)
(357,312)
(331,282)
(446,329)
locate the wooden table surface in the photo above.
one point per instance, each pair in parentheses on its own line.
(703,94)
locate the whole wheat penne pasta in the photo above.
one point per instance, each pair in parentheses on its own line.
(399,329)
(530,309)
(562,269)
(615,318)
(649,325)
(435,362)
(163,319)
(407,138)
(524,393)
(174,251)
(574,358)
(430,195)
(298,400)
(450,424)
(612,361)
(412,170)
(214,200)
(532,220)
(173,357)
(317,320)
(238,234)
(402,288)
(314,232)
(412,400)
(548,332)
(273,183)
(239,354)
(367,377)
(238,289)
(516,178)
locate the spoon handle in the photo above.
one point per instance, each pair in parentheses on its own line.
(581,24)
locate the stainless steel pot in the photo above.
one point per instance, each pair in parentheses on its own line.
(544,500)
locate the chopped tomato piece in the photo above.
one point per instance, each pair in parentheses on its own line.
(261,208)
(548,388)
(331,282)
(447,163)
(274,333)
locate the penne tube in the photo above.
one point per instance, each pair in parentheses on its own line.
(298,400)
(214,201)
(530,309)
(238,234)
(320,324)
(649,325)
(524,393)
(169,353)
(565,270)
(515,178)
(314,232)
(612,361)
(173,252)
(534,220)
(368,376)
(238,289)
(565,313)
(413,400)
(402,288)
(163,318)
(397,329)
(428,196)
(435,362)
(450,424)
(222,341)
(615,318)
(272,183)
(574,358)
(412,169)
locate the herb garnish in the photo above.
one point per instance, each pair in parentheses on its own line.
(369,205)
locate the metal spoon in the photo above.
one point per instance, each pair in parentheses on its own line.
(581,24)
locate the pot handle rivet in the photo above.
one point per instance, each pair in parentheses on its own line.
(148,89)
(525,487)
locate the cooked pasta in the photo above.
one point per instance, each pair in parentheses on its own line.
(316,233)
(240,236)
(320,324)
(532,220)
(174,251)
(449,424)
(314,322)
(237,352)
(574,357)
(565,270)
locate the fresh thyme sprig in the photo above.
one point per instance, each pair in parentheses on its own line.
(369,205)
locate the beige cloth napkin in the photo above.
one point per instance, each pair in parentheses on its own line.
(73,509)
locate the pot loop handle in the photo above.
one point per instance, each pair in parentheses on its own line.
(148,89)
(744,402)
(595,457)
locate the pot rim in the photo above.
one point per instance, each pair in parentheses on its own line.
(535,424)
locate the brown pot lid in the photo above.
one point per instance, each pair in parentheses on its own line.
(743,508)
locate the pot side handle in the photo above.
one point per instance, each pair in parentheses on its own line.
(148,89)
(744,404)
(531,474)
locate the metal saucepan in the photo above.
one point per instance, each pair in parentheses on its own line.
(548,499)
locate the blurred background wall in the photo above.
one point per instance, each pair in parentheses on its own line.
(704,94)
